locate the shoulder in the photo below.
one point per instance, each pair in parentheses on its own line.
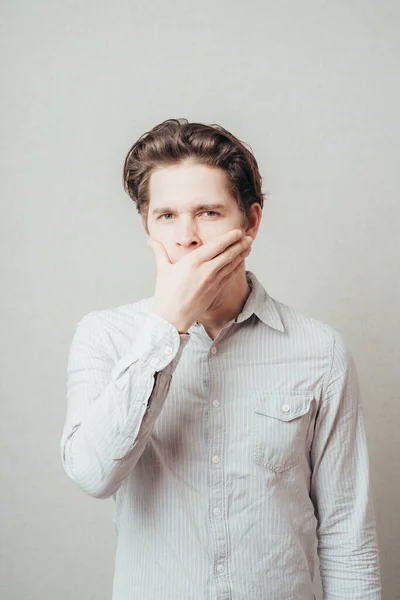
(114,322)
(321,347)
(305,330)
(297,320)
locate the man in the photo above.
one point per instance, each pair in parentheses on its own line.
(226,425)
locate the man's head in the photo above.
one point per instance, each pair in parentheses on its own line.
(179,172)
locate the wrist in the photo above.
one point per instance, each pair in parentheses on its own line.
(181,326)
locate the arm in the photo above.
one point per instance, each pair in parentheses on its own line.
(340,487)
(108,418)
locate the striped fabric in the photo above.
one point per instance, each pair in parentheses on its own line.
(227,459)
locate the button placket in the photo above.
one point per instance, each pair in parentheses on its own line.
(216,479)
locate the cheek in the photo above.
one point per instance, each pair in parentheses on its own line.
(164,235)
(169,247)
(219,228)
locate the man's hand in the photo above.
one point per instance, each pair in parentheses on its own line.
(186,289)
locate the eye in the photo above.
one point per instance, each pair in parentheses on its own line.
(213,213)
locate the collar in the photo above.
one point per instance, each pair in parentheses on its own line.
(260,303)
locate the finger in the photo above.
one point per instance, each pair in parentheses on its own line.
(232,265)
(214,248)
(230,255)
(159,251)
(226,279)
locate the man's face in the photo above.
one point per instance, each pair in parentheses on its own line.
(190,204)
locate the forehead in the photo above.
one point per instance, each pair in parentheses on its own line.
(187,182)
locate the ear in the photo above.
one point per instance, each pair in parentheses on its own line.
(253,220)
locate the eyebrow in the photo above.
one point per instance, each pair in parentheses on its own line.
(199,207)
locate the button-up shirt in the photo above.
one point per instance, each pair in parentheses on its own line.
(231,460)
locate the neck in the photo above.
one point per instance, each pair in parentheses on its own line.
(228,304)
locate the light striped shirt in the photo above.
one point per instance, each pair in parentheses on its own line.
(227,459)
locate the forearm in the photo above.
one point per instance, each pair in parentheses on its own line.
(340,487)
(348,553)
(108,420)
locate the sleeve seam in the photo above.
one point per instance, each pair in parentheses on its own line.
(328,372)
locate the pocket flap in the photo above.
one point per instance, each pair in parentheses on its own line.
(284,406)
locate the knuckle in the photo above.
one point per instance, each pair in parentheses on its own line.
(194,261)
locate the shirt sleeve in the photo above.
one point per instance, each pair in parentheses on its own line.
(340,487)
(112,406)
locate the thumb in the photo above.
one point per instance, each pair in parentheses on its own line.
(159,252)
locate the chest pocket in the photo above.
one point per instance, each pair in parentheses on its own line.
(281,424)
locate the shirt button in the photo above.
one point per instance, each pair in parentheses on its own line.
(220,568)
(286,408)
(216,511)
(168,350)
(215,459)
(216,403)
(213,350)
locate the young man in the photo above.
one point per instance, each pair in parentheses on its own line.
(226,425)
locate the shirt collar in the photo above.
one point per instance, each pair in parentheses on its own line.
(260,303)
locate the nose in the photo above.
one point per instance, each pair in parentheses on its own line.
(188,236)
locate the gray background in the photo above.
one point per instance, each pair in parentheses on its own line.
(313,87)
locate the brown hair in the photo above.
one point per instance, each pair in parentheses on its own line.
(177,140)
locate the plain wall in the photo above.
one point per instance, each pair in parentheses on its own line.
(313,87)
